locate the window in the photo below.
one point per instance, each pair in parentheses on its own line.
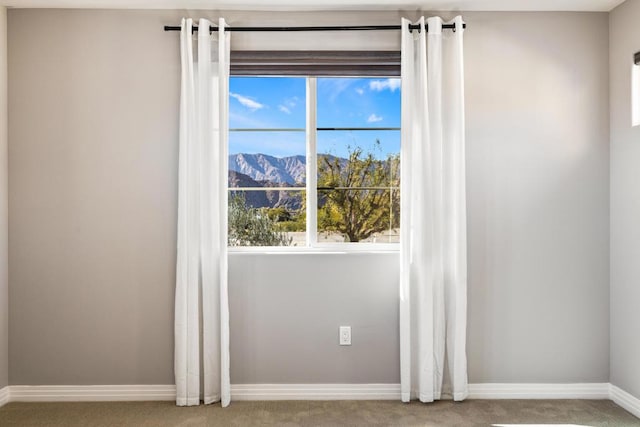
(635,90)
(314,161)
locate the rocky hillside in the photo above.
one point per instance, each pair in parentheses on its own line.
(292,200)
(261,167)
(262,170)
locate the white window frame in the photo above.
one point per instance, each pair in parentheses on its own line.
(311,187)
(635,94)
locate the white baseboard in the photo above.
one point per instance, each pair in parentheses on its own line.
(91,393)
(94,393)
(539,391)
(315,392)
(625,400)
(4,395)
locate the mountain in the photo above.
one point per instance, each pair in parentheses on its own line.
(262,170)
(289,170)
(261,167)
(292,200)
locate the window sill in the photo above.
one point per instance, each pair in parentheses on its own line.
(357,248)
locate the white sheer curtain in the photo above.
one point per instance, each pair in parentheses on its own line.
(201,311)
(433,273)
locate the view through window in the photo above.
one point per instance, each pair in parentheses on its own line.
(344,133)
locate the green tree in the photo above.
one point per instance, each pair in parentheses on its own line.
(358,196)
(278,214)
(252,227)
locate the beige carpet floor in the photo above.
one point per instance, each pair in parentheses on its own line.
(316,413)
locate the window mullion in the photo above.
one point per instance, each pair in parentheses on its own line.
(312,164)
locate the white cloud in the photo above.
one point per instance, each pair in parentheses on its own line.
(247,102)
(360,91)
(333,87)
(373,118)
(288,104)
(291,102)
(380,85)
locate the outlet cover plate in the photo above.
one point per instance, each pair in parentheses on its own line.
(345,335)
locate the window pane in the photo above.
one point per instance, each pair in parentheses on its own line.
(358,197)
(358,170)
(358,102)
(267,218)
(379,143)
(261,158)
(267,159)
(369,215)
(267,102)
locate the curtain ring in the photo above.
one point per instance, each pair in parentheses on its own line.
(454,27)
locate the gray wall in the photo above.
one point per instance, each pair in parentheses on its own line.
(286,330)
(537,175)
(4,194)
(93,154)
(625,198)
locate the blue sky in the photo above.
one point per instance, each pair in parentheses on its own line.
(268,102)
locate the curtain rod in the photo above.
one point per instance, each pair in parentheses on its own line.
(330,28)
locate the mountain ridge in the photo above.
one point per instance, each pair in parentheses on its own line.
(263,167)
(263,171)
(290,170)
(291,200)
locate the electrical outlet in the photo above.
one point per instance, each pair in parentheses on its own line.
(345,335)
